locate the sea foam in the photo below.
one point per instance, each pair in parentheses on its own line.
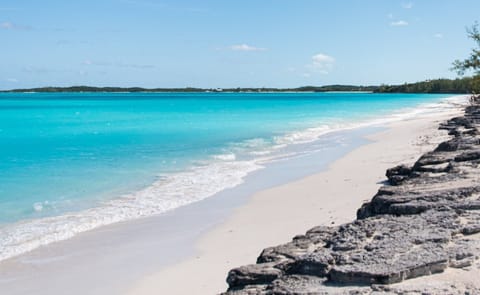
(171,192)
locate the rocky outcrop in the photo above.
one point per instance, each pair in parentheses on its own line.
(425,220)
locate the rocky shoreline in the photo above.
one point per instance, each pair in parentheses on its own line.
(425,220)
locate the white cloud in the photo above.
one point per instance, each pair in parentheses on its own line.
(322,59)
(12,26)
(321,63)
(13,80)
(399,23)
(438,35)
(407,5)
(245,47)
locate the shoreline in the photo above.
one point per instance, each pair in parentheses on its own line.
(239,240)
(418,234)
(150,243)
(161,195)
(109,249)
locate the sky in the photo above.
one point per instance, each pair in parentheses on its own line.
(231,43)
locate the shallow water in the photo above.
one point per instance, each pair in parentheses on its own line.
(71,162)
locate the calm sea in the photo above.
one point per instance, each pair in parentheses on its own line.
(70,162)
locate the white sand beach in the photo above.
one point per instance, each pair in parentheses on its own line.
(191,249)
(239,147)
(275,215)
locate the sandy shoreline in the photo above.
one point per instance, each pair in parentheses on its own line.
(200,242)
(325,198)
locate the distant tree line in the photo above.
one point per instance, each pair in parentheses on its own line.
(191,89)
(463,85)
(104,89)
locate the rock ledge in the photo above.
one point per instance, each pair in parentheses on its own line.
(425,220)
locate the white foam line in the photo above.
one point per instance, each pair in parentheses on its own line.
(426,109)
(174,191)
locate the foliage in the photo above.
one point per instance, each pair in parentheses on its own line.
(463,85)
(473,62)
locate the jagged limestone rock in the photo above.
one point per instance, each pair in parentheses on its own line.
(426,220)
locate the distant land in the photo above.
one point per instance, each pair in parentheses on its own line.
(463,85)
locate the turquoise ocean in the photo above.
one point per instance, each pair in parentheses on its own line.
(71,162)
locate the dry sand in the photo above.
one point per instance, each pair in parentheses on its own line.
(274,216)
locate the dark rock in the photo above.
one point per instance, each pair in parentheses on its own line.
(407,203)
(255,274)
(468,156)
(397,174)
(382,273)
(471,229)
(433,158)
(249,290)
(317,264)
(448,146)
(298,285)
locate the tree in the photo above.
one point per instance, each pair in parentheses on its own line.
(473,62)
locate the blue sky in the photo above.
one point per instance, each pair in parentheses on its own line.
(247,43)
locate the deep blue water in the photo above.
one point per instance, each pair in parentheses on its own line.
(85,155)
